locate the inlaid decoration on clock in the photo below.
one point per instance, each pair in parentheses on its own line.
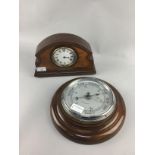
(64,54)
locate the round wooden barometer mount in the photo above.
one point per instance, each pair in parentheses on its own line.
(87,110)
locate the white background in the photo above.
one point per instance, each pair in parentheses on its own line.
(145,75)
(109,28)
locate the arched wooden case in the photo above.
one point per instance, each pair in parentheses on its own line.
(46,67)
(87,133)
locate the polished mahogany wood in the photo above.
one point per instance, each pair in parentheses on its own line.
(87,133)
(84,64)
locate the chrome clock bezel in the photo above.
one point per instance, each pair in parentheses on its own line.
(61,65)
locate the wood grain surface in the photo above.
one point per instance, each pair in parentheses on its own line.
(83,65)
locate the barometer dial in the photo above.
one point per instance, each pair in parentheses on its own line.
(88,99)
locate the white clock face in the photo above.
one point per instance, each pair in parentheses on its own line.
(88,99)
(64,56)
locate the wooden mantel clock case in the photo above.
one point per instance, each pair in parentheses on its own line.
(88,110)
(64,54)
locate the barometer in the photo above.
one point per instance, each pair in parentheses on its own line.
(63,54)
(87,110)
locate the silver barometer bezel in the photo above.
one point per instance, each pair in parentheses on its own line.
(77,116)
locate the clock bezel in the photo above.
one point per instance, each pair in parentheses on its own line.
(64,66)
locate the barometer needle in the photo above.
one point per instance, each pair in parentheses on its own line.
(66,57)
(87,96)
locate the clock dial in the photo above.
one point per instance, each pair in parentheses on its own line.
(88,99)
(64,56)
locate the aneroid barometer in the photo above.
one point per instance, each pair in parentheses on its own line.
(87,110)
